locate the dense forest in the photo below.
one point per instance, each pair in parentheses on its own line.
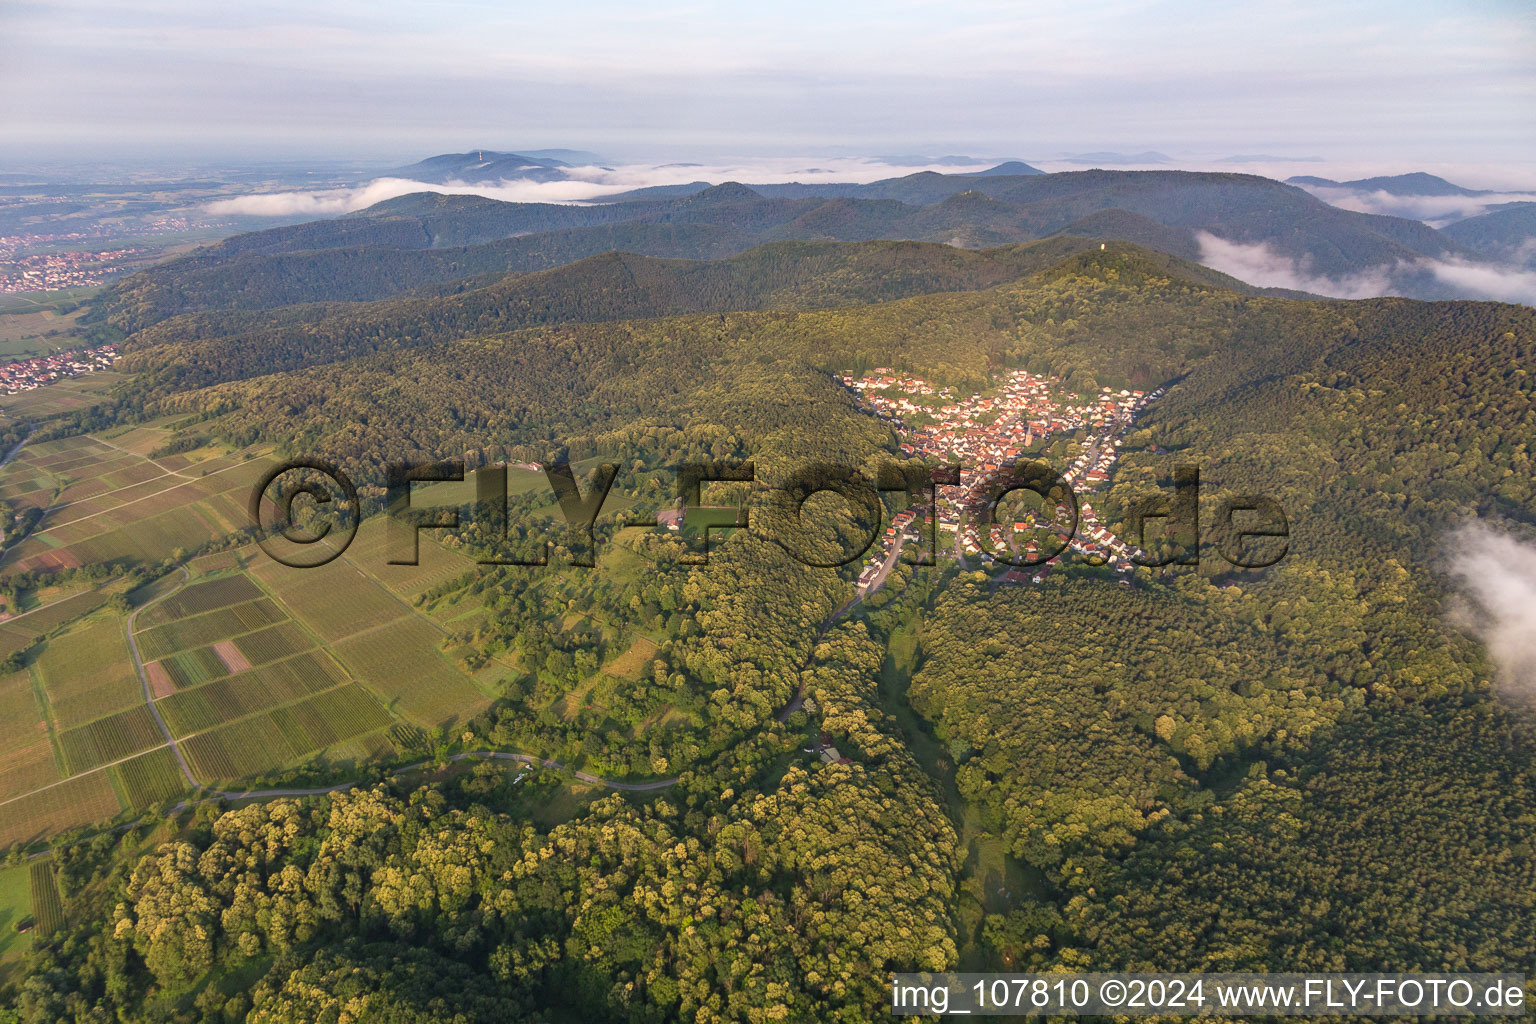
(427,241)
(1298,767)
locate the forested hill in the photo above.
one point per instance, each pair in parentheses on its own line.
(1120,317)
(427,239)
(1301,767)
(194,350)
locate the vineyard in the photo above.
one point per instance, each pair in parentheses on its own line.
(273,643)
(402,664)
(207,627)
(77,801)
(47,906)
(21,632)
(26,769)
(266,741)
(109,739)
(335,600)
(21,721)
(370,553)
(108,505)
(223,700)
(150,778)
(87,672)
(201,597)
(193,668)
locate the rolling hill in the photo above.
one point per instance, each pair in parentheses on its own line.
(428,240)
(196,350)
(1507,231)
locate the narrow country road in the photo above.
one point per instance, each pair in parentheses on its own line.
(149,697)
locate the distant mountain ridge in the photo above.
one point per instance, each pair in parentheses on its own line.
(201,349)
(1507,231)
(480,166)
(428,240)
(1416,183)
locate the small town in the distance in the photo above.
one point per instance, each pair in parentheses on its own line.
(479,762)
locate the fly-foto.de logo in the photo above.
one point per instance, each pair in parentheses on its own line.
(1024,515)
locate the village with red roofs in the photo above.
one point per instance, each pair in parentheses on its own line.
(27,374)
(988,434)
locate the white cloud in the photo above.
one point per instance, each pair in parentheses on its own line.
(1496,581)
(1486,280)
(1436,211)
(591,183)
(1259,264)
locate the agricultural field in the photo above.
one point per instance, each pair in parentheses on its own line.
(219,561)
(272,643)
(336,600)
(150,778)
(39,598)
(183,670)
(206,707)
(21,719)
(22,631)
(61,396)
(15,906)
(27,768)
(47,905)
(87,673)
(201,597)
(370,553)
(401,662)
(81,800)
(208,627)
(106,500)
(36,332)
(108,740)
(267,741)
(243,687)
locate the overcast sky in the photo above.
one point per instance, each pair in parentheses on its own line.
(1392,82)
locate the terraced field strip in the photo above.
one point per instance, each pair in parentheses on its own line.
(47,904)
